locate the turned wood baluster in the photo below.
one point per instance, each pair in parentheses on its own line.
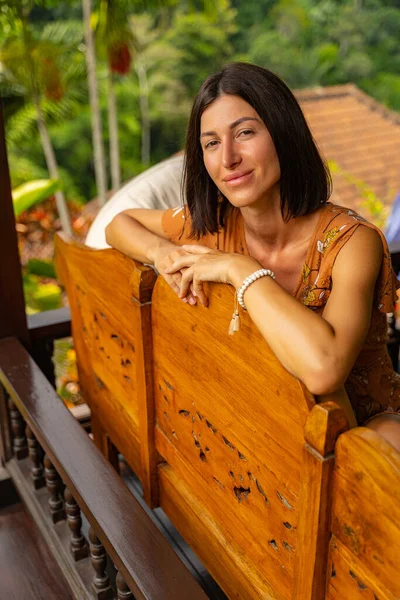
(20,447)
(101,582)
(54,486)
(79,548)
(123,592)
(35,454)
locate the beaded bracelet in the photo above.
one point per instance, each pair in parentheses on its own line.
(251,279)
(235,321)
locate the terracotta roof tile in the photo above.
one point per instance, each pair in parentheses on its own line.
(360,136)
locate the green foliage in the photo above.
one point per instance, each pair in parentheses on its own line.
(367,199)
(178,43)
(330,42)
(42,268)
(384,87)
(32,192)
(204,45)
(40,296)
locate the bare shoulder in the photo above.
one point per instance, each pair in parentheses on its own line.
(361,257)
(354,276)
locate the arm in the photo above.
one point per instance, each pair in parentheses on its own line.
(320,351)
(138,233)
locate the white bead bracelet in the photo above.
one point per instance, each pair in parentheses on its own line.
(251,279)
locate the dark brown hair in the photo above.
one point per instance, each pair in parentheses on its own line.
(305,181)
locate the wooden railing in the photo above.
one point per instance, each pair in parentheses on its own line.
(45,447)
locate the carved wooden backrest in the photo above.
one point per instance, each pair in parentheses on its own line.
(365,546)
(109,295)
(248,455)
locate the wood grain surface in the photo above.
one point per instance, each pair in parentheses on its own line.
(230,424)
(365,547)
(111,325)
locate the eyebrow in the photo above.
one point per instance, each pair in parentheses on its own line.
(232,125)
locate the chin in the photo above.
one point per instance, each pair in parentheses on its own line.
(242,201)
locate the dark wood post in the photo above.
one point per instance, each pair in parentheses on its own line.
(19,445)
(79,548)
(6,451)
(54,485)
(35,454)
(123,592)
(12,303)
(101,582)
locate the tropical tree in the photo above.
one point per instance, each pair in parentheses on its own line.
(204,40)
(145,35)
(31,67)
(97,135)
(115,37)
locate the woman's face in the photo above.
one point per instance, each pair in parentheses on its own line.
(239,153)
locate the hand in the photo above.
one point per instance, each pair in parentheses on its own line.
(199,264)
(164,257)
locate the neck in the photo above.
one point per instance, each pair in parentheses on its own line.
(266,230)
(266,225)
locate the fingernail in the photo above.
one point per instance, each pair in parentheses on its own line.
(192,301)
(184,300)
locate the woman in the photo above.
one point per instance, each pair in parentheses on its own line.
(315,278)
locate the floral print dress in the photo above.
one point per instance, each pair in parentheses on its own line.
(372,386)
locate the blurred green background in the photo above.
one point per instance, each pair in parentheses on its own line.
(156,54)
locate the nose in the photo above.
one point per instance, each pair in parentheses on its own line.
(230,155)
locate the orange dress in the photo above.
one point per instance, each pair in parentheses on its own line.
(373,386)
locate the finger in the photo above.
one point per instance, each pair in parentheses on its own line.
(191,296)
(196,249)
(173,284)
(180,263)
(177,277)
(186,282)
(199,291)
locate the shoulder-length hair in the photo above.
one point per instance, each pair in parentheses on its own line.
(305,181)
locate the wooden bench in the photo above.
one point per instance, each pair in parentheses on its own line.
(233,448)
(109,296)
(365,542)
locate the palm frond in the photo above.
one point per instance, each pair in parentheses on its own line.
(21,124)
(23,169)
(68,34)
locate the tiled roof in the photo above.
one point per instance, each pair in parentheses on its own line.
(360,136)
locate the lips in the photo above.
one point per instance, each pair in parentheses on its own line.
(237,178)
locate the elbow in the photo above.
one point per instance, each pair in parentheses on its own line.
(110,230)
(108,234)
(325,378)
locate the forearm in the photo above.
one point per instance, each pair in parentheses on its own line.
(131,238)
(303,341)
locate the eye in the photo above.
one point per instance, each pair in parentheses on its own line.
(245,132)
(210,144)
